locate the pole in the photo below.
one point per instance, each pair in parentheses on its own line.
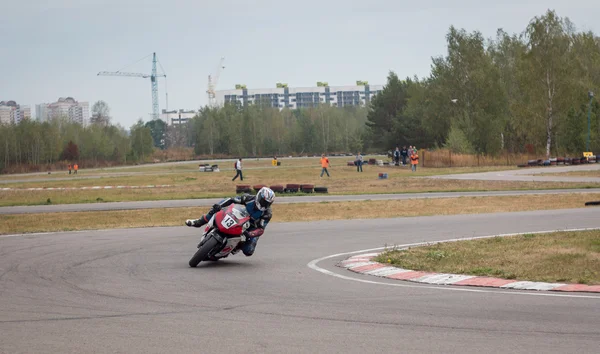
(591,95)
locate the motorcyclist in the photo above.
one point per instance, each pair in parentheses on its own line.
(259,208)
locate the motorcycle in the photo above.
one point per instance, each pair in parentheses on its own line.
(223,234)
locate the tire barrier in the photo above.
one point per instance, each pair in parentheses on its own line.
(554,161)
(307,188)
(597,202)
(242,188)
(277,188)
(258,187)
(292,188)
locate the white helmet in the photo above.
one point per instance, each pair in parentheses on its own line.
(264,198)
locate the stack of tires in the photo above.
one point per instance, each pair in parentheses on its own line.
(242,188)
(307,188)
(277,188)
(288,188)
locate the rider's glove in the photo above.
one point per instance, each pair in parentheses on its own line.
(216,208)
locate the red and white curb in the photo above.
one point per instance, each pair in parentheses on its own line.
(83,188)
(364,264)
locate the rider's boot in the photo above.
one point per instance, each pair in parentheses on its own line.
(197,222)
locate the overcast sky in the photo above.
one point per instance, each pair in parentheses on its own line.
(55,48)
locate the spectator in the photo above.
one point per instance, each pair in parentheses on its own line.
(238,170)
(359,162)
(414,160)
(397,156)
(69,167)
(404,154)
(76,168)
(410,150)
(324,165)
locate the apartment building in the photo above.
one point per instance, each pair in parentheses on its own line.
(302,97)
(13,113)
(65,107)
(176,117)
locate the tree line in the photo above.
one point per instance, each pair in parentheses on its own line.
(32,143)
(525,92)
(529,92)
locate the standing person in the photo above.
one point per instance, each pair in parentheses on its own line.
(324,165)
(404,154)
(238,170)
(414,161)
(359,162)
(76,168)
(69,168)
(397,156)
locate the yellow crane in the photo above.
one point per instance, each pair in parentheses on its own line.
(213,82)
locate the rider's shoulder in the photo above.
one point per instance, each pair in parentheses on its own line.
(245,198)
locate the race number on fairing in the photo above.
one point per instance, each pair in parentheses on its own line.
(228,221)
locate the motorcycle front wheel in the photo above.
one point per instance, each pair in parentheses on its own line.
(203,252)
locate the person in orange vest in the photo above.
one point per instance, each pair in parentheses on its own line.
(76,167)
(69,167)
(324,165)
(414,160)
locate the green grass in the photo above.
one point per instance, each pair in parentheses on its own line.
(566,257)
(191,184)
(48,222)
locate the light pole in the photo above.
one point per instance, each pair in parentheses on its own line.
(591,95)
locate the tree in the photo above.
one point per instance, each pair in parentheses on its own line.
(71,152)
(385,108)
(141,141)
(468,75)
(100,113)
(547,76)
(158,129)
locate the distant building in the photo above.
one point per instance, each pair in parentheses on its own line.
(177,117)
(13,113)
(302,97)
(5,115)
(74,111)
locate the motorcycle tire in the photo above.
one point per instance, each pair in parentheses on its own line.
(203,252)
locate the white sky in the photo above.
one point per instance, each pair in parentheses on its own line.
(55,48)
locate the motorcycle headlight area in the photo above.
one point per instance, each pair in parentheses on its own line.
(246,225)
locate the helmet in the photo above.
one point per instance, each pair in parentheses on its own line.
(264,198)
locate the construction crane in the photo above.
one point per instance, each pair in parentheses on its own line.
(212,84)
(153,81)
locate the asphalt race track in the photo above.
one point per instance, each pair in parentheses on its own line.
(530,174)
(131,291)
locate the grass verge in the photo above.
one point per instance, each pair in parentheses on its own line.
(48,222)
(344,180)
(563,257)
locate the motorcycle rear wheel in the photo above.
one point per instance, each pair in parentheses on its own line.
(203,252)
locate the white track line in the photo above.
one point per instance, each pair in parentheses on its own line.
(313,265)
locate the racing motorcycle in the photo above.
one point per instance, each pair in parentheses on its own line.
(223,234)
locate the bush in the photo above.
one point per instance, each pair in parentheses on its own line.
(457,142)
